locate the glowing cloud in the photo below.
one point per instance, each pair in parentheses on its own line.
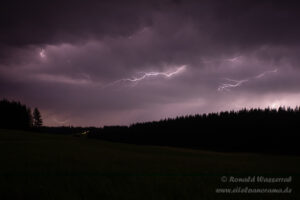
(234,59)
(42,53)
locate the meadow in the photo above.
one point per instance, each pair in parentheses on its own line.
(49,166)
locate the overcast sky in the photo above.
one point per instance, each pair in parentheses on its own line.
(95,63)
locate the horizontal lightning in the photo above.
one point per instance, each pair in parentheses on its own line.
(265,73)
(237,83)
(60,122)
(146,75)
(232,84)
(149,74)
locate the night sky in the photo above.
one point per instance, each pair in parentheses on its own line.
(95,63)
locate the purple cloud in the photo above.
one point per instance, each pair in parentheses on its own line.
(77,61)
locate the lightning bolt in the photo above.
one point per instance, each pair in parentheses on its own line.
(265,73)
(237,83)
(149,74)
(232,84)
(146,75)
(60,122)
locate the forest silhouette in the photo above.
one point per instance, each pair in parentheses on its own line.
(14,115)
(254,130)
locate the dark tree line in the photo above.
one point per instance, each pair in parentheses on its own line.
(255,130)
(14,115)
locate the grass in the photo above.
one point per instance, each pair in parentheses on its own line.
(41,166)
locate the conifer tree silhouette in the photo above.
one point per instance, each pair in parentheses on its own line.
(37,118)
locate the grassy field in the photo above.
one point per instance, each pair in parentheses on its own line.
(41,166)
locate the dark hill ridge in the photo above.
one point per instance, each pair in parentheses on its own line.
(255,130)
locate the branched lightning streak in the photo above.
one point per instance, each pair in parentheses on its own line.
(149,74)
(237,83)
(146,75)
(232,84)
(265,73)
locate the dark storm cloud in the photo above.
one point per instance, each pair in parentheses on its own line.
(40,22)
(242,22)
(234,25)
(71,58)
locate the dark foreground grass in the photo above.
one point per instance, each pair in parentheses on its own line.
(41,166)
